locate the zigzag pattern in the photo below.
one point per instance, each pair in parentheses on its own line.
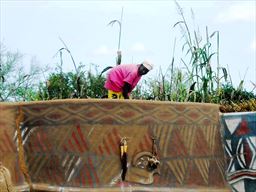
(77,143)
(123,113)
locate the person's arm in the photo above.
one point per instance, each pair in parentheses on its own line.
(126,90)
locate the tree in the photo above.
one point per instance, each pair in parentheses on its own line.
(15,83)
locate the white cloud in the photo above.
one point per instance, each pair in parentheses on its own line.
(138,47)
(238,12)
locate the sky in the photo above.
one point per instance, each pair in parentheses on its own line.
(34,28)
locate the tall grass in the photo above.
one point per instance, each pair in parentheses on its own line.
(119,22)
(204,80)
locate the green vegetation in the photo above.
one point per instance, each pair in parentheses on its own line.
(83,84)
(15,83)
(202,79)
(173,85)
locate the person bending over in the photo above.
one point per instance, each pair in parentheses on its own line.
(122,79)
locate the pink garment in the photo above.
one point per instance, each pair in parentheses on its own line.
(120,74)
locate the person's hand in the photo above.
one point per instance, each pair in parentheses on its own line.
(126,90)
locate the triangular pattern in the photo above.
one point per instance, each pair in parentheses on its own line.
(232,124)
(69,133)
(76,141)
(35,164)
(203,167)
(239,186)
(96,134)
(221,165)
(178,168)
(114,140)
(145,143)
(242,129)
(232,168)
(226,131)
(194,177)
(188,137)
(7,142)
(210,134)
(109,143)
(218,146)
(163,134)
(44,167)
(60,140)
(200,147)
(216,178)
(166,178)
(70,166)
(108,169)
(176,147)
(87,172)
(85,176)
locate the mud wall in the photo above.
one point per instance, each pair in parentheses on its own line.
(239,137)
(76,143)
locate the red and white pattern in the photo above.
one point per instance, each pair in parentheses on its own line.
(240,146)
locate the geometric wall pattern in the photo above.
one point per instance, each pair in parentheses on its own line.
(240,147)
(75,143)
(8,147)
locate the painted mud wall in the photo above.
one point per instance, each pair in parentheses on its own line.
(239,136)
(76,143)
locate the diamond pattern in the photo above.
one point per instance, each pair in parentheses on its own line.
(76,142)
